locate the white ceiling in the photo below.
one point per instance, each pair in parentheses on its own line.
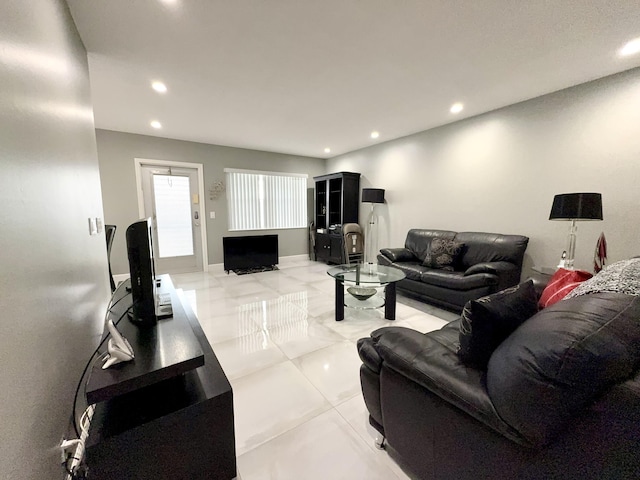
(297,76)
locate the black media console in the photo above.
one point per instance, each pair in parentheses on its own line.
(172,421)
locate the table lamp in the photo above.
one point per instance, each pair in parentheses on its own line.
(573,207)
(372,196)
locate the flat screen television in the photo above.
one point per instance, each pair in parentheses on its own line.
(253,251)
(143,273)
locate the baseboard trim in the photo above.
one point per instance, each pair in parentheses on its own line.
(293,258)
(219,267)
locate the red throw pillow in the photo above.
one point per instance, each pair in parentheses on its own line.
(562,282)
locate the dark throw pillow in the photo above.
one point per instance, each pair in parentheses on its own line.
(442,253)
(488,321)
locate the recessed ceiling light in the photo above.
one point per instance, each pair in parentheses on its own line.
(456,108)
(630,48)
(327,150)
(156,124)
(375,134)
(159,87)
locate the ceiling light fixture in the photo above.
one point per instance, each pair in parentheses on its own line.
(631,48)
(456,108)
(159,87)
(156,124)
(327,150)
(375,134)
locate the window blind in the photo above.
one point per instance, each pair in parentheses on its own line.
(266,200)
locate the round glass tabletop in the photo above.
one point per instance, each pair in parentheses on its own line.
(366,273)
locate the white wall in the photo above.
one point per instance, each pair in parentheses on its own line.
(498,172)
(53,275)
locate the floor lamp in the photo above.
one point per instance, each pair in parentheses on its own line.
(372,196)
(573,207)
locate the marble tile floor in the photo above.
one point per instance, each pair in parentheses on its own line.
(299,412)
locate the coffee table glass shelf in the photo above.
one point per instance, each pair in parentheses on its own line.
(363,282)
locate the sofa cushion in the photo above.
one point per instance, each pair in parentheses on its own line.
(457,280)
(418,240)
(412,270)
(442,254)
(491,247)
(486,322)
(561,359)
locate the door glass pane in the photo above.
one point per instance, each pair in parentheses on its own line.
(173,215)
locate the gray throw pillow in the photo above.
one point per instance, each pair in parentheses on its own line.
(442,254)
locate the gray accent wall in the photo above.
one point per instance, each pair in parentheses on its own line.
(53,275)
(498,172)
(117,152)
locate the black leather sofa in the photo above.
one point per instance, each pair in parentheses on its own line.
(488,262)
(560,398)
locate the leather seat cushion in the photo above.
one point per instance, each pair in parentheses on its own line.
(457,280)
(561,359)
(413,270)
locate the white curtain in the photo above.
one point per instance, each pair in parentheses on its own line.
(266,200)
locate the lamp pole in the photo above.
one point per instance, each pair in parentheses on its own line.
(571,247)
(371,237)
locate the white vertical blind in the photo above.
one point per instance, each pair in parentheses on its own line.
(173,215)
(266,200)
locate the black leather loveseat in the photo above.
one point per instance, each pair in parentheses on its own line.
(559,399)
(486,263)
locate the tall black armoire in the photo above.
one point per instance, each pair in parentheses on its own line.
(337,200)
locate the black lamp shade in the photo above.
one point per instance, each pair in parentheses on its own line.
(372,195)
(576,206)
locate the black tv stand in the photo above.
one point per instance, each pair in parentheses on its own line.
(174,426)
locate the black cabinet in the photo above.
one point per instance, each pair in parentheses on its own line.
(337,199)
(162,426)
(329,248)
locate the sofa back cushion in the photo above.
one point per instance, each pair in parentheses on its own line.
(491,247)
(418,240)
(561,359)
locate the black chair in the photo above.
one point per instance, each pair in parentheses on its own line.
(110,232)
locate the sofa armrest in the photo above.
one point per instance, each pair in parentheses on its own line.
(369,355)
(495,268)
(425,360)
(415,355)
(508,274)
(398,254)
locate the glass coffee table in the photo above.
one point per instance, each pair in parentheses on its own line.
(362,282)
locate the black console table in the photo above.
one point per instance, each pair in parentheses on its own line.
(175,421)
